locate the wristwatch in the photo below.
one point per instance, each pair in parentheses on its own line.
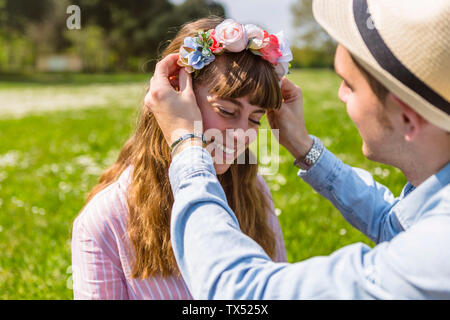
(311,157)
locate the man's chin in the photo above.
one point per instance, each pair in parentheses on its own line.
(368,153)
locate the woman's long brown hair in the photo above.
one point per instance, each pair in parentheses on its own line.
(149,196)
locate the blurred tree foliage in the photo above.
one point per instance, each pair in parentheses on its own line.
(114,34)
(307,57)
(315,47)
(90,46)
(20,21)
(137,28)
(18,14)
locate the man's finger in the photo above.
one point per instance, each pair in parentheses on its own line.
(148,101)
(166,67)
(185,80)
(286,85)
(289,90)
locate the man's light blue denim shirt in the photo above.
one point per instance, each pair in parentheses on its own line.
(410,261)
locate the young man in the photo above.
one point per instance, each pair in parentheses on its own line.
(394,58)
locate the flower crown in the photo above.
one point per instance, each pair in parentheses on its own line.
(198,51)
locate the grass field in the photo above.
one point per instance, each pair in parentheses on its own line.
(50,160)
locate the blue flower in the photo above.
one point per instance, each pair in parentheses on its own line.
(191,43)
(195,53)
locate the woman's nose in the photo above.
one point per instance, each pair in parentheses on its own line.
(242,134)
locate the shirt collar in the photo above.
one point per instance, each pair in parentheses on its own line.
(125,177)
(408,210)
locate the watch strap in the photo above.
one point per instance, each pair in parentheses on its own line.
(312,156)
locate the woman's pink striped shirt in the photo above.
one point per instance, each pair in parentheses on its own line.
(102,254)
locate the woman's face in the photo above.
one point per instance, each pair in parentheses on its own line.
(229,126)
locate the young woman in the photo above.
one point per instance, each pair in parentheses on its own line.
(121,245)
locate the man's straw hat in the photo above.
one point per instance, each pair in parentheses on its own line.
(405,44)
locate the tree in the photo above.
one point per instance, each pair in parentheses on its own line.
(27,28)
(16,15)
(311,37)
(128,31)
(138,28)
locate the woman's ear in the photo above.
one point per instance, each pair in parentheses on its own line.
(412,122)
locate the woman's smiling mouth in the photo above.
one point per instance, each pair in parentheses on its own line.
(224,149)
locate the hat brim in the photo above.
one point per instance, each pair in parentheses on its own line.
(337,18)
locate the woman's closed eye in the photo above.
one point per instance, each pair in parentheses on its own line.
(231,114)
(258,123)
(226,112)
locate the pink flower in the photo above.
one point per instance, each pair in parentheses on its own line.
(232,35)
(216,46)
(271,51)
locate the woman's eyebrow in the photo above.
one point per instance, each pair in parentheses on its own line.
(260,111)
(234,101)
(239,104)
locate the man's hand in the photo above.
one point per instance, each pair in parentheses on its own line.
(290,121)
(175,110)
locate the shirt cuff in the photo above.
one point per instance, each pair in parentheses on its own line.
(323,173)
(192,160)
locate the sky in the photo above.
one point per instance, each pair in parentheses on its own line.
(272,15)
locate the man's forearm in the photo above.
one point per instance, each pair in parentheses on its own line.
(354,192)
(299,148)
(206,237)
(218,261)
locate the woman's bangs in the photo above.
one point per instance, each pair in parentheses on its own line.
(245,74)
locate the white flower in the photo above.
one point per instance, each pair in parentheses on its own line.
(232,35)
(256,36)
(284,48)
(282,69)
(283,62)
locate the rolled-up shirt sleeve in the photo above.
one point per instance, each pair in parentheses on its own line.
(363,202)
(218,261)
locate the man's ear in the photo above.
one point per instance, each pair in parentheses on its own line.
(413,122)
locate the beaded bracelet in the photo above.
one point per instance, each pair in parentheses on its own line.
(186,137)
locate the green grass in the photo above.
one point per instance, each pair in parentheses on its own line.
(49,162)
(72,79)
